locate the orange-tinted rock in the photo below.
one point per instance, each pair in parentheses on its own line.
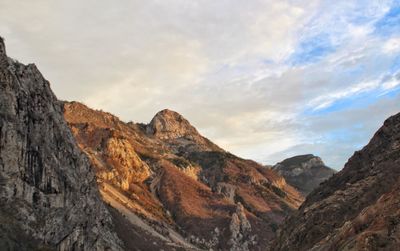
(187,183)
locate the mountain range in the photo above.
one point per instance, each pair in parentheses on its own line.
(180,183)
(75,178)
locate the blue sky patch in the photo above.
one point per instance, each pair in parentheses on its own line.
(356,101)
(390,23)
(312,50)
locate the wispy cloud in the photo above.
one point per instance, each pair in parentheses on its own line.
(392,45)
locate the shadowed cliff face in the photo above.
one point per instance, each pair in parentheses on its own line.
(180,184)
(356,209)
(304,172)
(48,192)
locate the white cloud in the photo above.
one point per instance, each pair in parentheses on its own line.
(327,100)
(392,45)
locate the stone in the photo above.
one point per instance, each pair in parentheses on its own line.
(358,207)
(173,176)
(304,172)
(240,228)
(48,195)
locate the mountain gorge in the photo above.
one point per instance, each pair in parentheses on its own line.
(75,178)
(180,183)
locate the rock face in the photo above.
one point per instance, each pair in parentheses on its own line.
(304,172)
(358,208)
(241,229)
(174,130)
(180,185)
(168,124)
(48,193)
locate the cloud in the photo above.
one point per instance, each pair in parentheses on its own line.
(392,45)
(264,79)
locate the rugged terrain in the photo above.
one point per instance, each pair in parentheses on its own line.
(304,172)
(178,186)
(48,193)
(166,187)
(359,207)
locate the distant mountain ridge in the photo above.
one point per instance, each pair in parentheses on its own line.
(356,209)
(304,172)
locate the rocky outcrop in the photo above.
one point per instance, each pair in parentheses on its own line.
(173,129)
(356,209)
(168,124)
(240,228)
(226,190)
(188,185)
(48,193)
(304,172)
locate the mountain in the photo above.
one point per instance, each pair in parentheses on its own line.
(356,209)
(172,185)
(48,193)
(304,172)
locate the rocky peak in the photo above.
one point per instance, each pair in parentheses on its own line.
(357,208)
(305,161)
(173,175)
(168,124)
(304,172)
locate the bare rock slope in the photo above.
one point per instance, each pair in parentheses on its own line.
(48,194)
(179,184)
(304,172)
(358,208)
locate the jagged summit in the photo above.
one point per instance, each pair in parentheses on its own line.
(172,127)
(302,159)
(168,111)
(304,172)
(168,124)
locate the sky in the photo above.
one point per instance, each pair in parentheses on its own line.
(265,80)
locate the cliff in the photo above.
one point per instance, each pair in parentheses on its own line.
(357,208)
(48,193)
